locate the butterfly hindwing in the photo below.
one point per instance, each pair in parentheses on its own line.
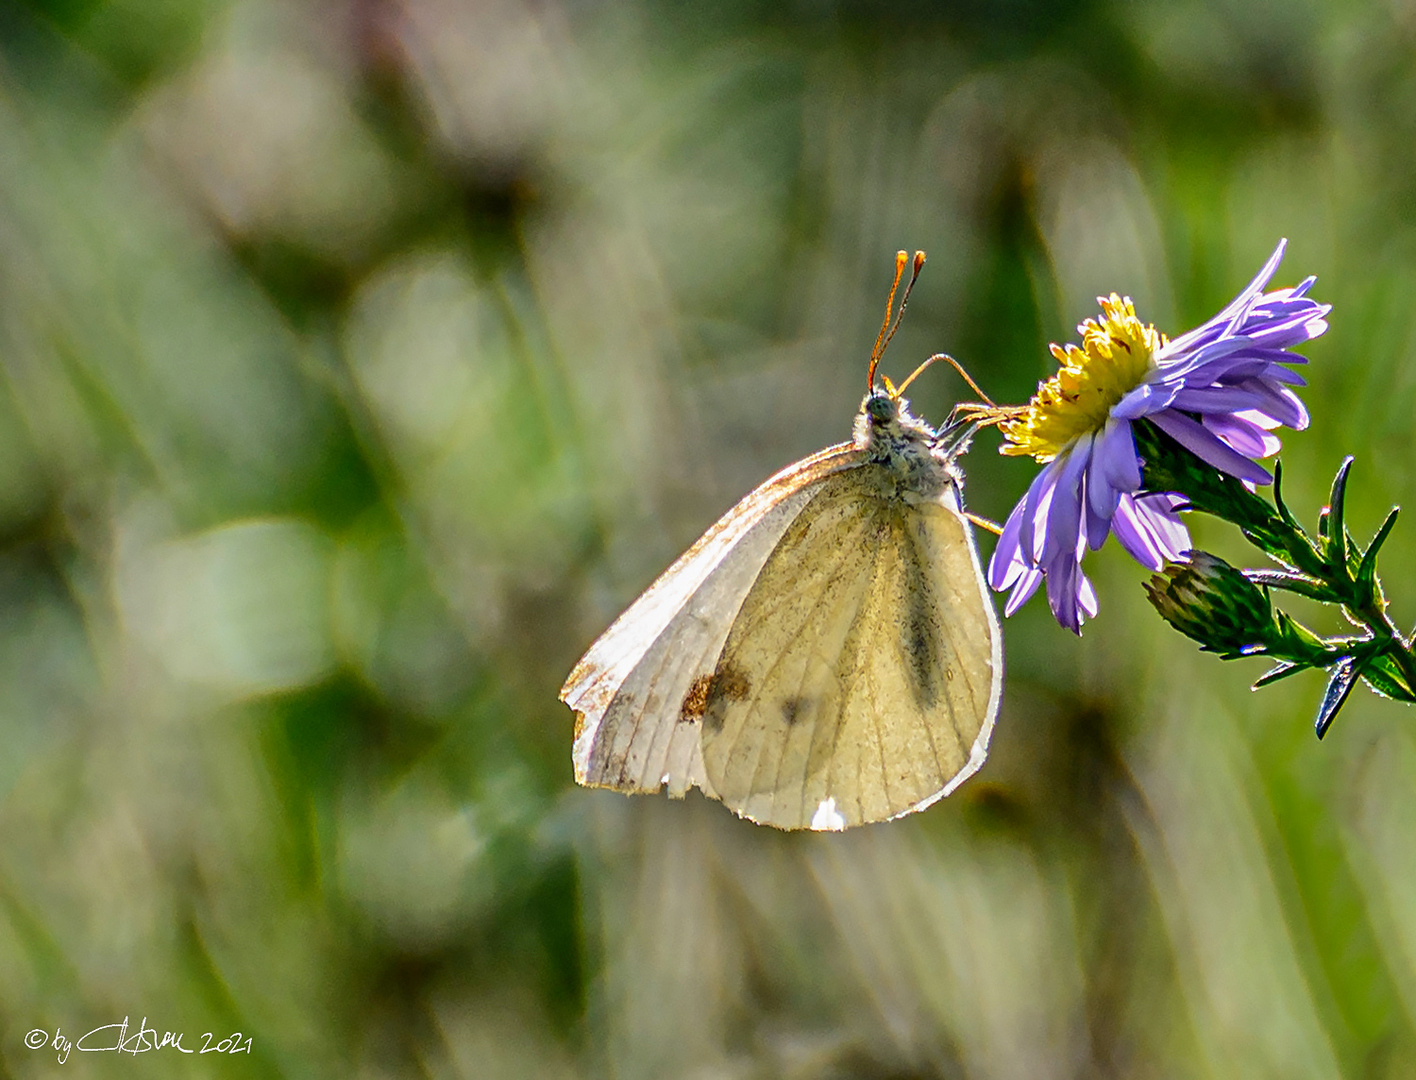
(861,676)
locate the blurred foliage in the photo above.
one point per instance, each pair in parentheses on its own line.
(361,359)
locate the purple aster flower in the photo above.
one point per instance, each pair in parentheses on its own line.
(1219,391)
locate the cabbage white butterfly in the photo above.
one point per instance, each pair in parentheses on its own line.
(826,655)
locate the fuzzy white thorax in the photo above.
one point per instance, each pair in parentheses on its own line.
(908,446)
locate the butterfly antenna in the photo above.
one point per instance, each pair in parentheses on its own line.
(881,340)
(914,276)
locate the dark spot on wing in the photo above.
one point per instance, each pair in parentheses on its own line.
(729,683)
(695,702)
(794,709)
(920,632)
(919,651)
(724,685)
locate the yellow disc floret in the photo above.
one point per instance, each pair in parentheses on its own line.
(1116,353)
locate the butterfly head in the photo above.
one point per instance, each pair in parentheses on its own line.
(887,431)
(881,408)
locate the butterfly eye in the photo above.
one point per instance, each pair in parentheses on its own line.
(881,408)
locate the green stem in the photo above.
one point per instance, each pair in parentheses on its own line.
(1328,569)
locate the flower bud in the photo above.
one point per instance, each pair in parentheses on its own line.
(1210,601)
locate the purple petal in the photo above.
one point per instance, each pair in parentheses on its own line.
(1148,398)
(1063,528)
(1273,311)
(1117,456)
(1243,364)
(1245,436)
(1007,565)
(1231,371)
(1185,342)
(1035,506)
(1218,399)
(1263,420)
(1194,438)
(1086,595)
(1287,332)
(1097,507)
(1150,531)
(1183,364)
(1278,402)
(1023,590)
(1069,594)
(1274,373)
(1132,535)
(1113,454)
(1062,594)
(1251,296)
(1157,512)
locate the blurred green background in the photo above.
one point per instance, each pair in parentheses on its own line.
(361,359)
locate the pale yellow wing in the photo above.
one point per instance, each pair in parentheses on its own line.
(637,691)
(862,675)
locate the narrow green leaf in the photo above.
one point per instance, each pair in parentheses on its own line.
(1366,575)
(1383,674)
(1336,531)
(1281,670)
(1293,582)
(1339,687)
(1284,513)
(1300,643)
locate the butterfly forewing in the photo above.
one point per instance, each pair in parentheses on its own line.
(638,692)
(860,678)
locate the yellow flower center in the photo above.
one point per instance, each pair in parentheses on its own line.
(1115,355)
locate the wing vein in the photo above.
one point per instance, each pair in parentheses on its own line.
(845,552)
